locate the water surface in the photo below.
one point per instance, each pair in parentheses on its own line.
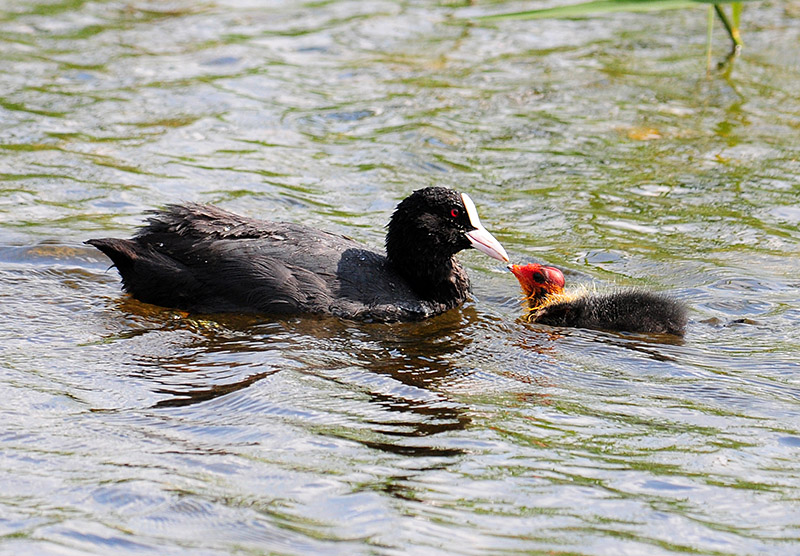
(602,146)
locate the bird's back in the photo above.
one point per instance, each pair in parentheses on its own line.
(205,259)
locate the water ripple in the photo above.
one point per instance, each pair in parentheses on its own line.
(599,145)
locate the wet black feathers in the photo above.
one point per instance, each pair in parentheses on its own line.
(205,259)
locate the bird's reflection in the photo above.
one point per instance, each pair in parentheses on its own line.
(649,345)
(198,395)
(216,356)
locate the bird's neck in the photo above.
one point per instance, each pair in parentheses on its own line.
(426,261)
(440,280)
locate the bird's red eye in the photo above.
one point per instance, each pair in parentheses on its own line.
(455,213)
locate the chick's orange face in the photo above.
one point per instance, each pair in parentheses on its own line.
(538,281)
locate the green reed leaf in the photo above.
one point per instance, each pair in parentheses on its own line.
(608,6)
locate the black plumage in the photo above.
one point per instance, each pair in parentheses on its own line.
(623,311)
(204,259)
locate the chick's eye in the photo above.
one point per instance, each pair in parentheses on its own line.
(455,213)
(538,277)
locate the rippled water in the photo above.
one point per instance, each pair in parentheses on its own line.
(600,145)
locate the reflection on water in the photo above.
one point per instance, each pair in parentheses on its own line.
(600,146)
(396,368)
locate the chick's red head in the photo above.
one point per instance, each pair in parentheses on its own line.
(538,281)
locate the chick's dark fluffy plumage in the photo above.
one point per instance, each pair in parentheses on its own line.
(623,311)
(627,310)
(205,259)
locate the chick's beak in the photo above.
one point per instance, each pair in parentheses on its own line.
(480,238)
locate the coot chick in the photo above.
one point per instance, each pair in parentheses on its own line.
(205,259)
(623,311)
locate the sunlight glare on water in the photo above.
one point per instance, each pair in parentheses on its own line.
(599,145)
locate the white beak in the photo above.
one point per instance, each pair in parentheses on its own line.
(480,238)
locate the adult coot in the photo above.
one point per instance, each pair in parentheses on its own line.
(624,311)
(205,259)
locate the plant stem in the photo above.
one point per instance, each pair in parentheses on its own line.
(709,37)
(733,32)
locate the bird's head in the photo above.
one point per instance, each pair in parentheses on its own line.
(538,282)
(435,223)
